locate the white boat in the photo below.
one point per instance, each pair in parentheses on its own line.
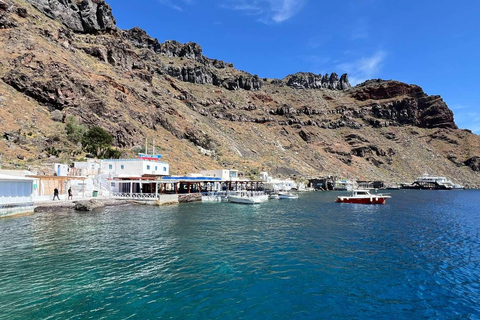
(363,197)
(248,198)
(274,196)
(287,195)
(244,199)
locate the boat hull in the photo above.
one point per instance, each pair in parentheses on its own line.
(244,200)
(372,200)
(287,196)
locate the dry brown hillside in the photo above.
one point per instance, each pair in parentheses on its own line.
(202,112)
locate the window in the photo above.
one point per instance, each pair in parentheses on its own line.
(156,168)
(112,184)
(122,167)
(110,167)
(165,169)
(148,167)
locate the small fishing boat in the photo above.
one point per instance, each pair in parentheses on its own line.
(287,195)
(244,199)
(363,197)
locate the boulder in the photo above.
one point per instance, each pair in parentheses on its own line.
(88,205)
(56,115)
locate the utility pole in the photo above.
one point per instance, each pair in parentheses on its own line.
(146,145)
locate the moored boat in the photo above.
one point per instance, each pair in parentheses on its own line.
(287,195)
(244,199)
(432,182)
(363,197)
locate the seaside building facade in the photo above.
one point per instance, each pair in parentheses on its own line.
(16,195)
(223,174)
(276,185)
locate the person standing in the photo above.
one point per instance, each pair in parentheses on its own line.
(70,194)
(55,194)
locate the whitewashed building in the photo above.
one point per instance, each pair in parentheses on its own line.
(224,174)
(89,168)
(277,184)
(134,168)
(15,195)
(61,169)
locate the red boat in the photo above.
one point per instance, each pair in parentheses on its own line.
(363,197)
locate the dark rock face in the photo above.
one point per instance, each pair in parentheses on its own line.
(312,81)
(473,163)
(416,108)
(86,16)
(140,39)
(6,19)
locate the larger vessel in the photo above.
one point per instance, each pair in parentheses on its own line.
(432,182)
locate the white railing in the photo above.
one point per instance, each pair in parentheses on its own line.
(127,195)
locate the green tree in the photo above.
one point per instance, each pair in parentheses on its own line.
(97,141)
(75,130)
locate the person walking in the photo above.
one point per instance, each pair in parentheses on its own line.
(55,194)
(70,194)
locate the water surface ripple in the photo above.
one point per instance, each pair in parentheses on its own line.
(418,257)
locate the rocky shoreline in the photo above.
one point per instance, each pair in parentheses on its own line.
(80,205)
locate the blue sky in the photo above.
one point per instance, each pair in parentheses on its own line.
(435,44)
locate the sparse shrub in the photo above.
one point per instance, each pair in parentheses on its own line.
(75,130)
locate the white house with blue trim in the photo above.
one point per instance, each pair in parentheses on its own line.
(134,168)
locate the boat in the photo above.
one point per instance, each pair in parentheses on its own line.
(248,198)
(287,195)
(432,182)
(274,196)
(363,197)
(244,199)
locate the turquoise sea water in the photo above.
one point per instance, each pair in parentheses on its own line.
(418,257)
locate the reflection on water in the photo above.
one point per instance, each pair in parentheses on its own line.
(418,256)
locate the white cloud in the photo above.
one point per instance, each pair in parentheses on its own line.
(272,11)
(364,68)
(176,4)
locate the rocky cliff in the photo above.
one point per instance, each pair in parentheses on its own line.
(63,59)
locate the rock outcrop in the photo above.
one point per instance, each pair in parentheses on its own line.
(410,105)
(85,16)
(473,163)
(89,205)
(303,80)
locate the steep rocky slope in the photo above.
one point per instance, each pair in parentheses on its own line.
(67,58)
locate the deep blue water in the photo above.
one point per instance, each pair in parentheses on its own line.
(417,257)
